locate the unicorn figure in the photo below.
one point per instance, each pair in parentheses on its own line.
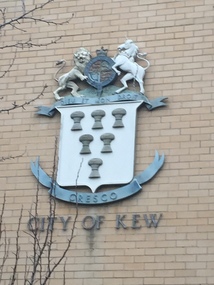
(125,60)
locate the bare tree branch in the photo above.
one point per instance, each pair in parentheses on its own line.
(28,15)
(3,12)
(9,67)
(14,21)
(40,262)
(4,242)
(23,6)
(16,254)
(3,158)
(29,44)
(23,105)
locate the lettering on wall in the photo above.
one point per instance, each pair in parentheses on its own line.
(134,221)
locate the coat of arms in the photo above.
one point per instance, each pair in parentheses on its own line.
(97,137)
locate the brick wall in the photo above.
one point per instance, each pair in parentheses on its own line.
(178,37)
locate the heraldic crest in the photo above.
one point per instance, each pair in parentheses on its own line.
(97,136)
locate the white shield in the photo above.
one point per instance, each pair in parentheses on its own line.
(97,144)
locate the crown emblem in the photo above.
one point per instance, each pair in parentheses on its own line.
(102,52)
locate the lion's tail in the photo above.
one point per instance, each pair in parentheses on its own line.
(63,62)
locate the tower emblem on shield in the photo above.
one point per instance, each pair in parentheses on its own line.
(97,142)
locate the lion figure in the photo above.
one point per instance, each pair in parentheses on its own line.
(66,81)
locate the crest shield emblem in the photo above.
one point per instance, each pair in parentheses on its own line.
(97,136)
(97,144)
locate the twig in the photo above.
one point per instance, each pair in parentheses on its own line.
(13,278)
(23,105)
(28,16)
(10,66)
(30,44)
(17,19)
(23,6)
(3,239)
(11,157)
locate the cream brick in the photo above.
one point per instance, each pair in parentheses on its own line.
(178,38)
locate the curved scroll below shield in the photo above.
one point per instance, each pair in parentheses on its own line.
(97,198)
